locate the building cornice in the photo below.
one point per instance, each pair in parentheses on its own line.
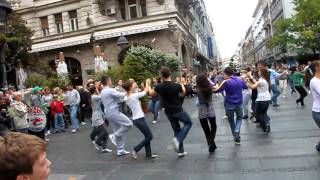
(44,6)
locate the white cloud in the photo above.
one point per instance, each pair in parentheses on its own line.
(230,19)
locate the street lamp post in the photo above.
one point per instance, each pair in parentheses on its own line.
(122,42)
(4,11)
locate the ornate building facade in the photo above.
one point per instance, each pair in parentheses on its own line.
(76,28)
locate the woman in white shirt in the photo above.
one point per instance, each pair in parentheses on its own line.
(132,100)
(263,98)
(315,91)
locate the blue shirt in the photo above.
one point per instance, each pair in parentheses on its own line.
(273,76)
(233,88)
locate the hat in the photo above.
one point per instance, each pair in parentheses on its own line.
(36,89)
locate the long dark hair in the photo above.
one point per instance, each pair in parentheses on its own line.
(310,72)
(265,74)
(204,86)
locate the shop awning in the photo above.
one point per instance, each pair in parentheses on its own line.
(60,43)
(132,29)
(104,34)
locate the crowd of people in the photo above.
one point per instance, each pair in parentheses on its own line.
(247,94)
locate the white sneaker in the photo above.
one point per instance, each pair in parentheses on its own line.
(175,144)
(134,154)
(154,122)
(47,140)
(182,154)
(73,130)
(122,153)
(106,150)
(47,133)
(113,139)
(83,123)
(225,117)
(96,145)
(153,156)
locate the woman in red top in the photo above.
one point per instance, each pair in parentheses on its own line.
(57,111)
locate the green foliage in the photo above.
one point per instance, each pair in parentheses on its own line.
(53,81)
(300,31)
(56,81)
(18,39)
(35,80)
(115,73)
(142,63)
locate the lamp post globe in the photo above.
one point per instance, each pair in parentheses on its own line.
(122,42)
(5,9)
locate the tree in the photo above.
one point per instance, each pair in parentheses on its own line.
(300,31)
(142,62)
(18,40)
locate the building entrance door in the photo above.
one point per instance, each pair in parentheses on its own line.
(75,72)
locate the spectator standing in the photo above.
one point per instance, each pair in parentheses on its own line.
(73,102)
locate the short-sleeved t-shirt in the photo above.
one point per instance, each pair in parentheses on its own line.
(170,96)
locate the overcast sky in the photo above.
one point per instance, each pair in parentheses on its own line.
(230,19)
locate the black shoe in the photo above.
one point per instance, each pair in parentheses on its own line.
(276,105)
(212,148)
(251,117)
(318,147)
(268,129)
(256,122)
(237,139)
(245,117)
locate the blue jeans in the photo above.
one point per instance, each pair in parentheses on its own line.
(275,93)
(179,133)
(154,106)
(59,122)
(73,110)
(145,130)
(230,110)
(316,117)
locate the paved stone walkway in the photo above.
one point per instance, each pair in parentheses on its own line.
(288,153)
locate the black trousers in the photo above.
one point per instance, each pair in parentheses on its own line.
(303,93)
(102,135)
(261,113)
(209,131)
(50,120)
(145,130)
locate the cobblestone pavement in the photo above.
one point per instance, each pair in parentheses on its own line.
(288,153)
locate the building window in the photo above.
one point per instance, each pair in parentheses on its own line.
(132,9)
(44,26)
(59,24)
(73,20)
